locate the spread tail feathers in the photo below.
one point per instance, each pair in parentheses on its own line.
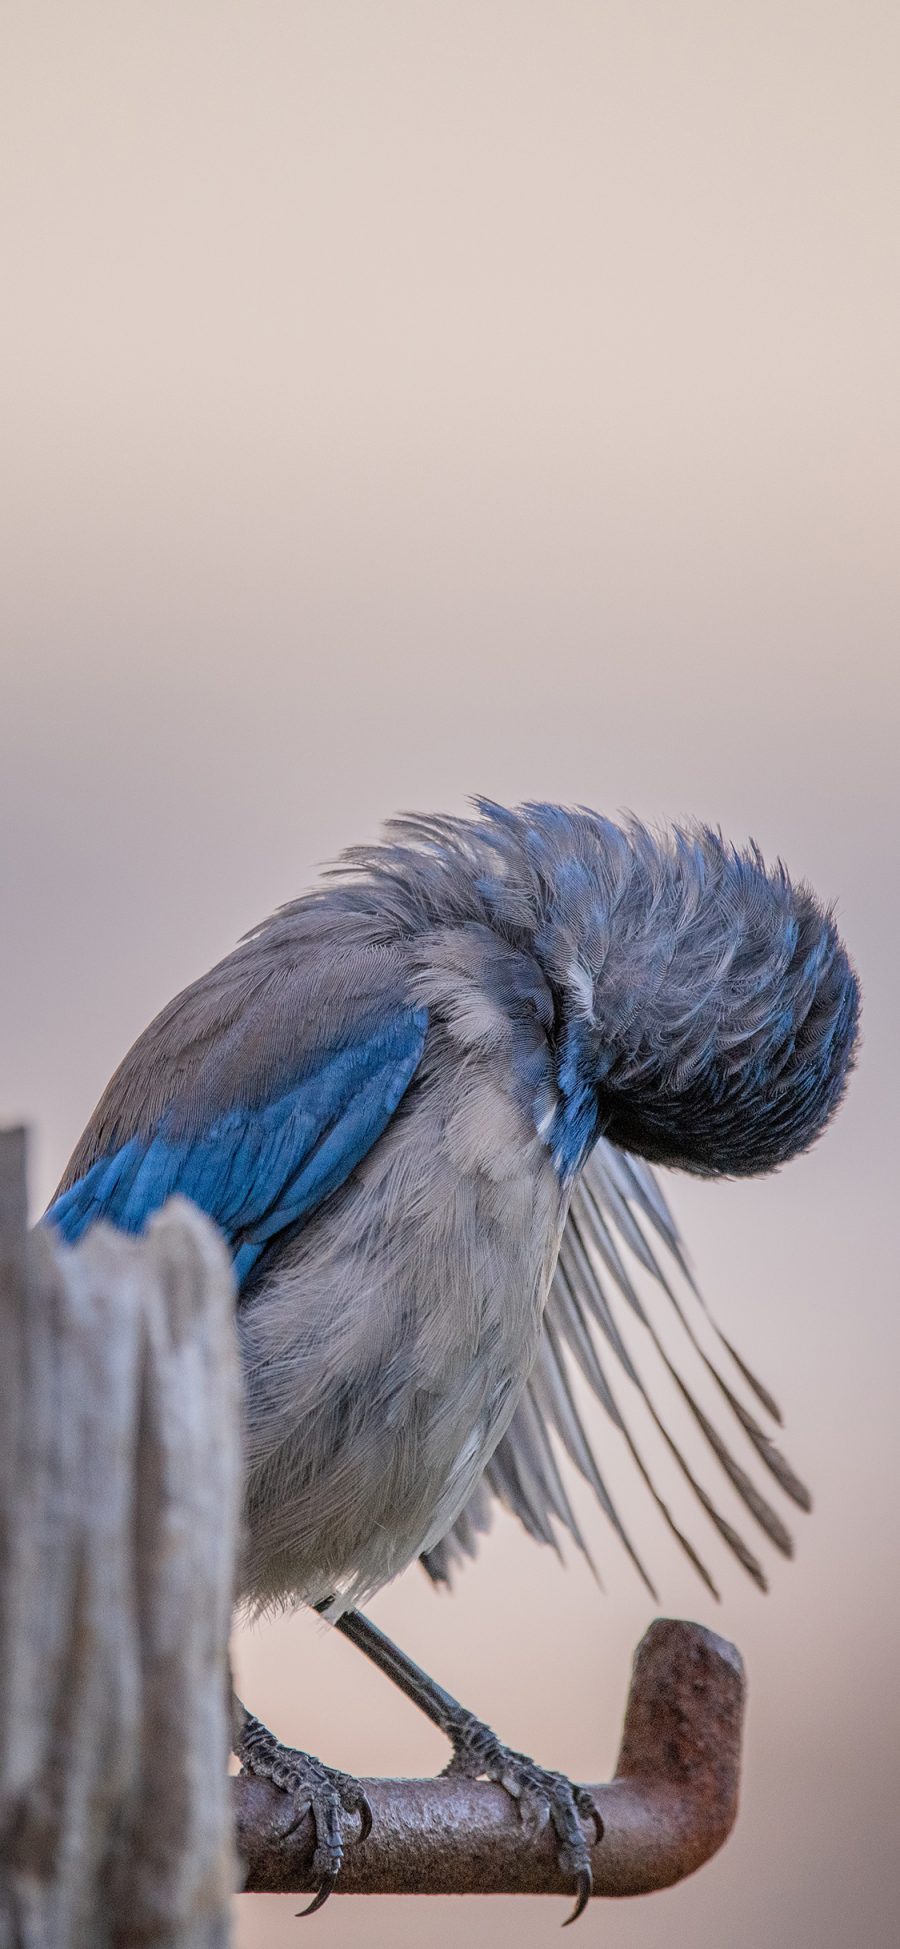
(594,1300)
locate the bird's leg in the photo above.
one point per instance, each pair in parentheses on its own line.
(331,1797)
(540,1795)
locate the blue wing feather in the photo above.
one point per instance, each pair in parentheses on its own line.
(258,1171)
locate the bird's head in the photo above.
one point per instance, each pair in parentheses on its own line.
(706,1011)
(709,1011)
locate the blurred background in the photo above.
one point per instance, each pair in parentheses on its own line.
(405,400)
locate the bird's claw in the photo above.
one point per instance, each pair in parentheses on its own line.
(583,1885)
(331,1797)
(540,1795)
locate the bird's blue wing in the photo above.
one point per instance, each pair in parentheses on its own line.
(257,1169)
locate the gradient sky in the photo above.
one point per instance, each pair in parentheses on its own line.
(405,400)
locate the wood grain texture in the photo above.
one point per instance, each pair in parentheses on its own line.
(119,1492)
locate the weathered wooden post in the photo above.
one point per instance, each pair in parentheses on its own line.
(119,1501)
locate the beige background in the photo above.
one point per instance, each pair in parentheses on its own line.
(402,400)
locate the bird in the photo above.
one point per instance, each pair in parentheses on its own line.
(426,1103)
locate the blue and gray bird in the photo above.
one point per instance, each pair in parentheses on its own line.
(422,1102)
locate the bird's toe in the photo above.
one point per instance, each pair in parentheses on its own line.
(541,1796)
(333,1799)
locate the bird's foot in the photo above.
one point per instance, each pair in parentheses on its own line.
(540,1796)
(331,1797)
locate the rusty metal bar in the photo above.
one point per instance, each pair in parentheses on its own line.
(671,1805)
